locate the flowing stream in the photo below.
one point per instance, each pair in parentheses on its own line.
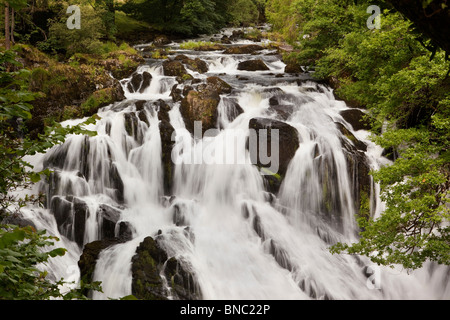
(242,242)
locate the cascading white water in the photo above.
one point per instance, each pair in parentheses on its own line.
(245,245)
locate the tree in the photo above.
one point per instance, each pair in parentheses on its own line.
(10,7)
(406,91)
(22,249)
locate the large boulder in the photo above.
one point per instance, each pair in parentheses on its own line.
(356,118)
(245,49)
(109,217)
(196,64)
(253,65)
(174,68)
(350,136)
(217,85)
(89,257)
(201,104)
(149,263)
(139,82)
(292,67)
(288,143)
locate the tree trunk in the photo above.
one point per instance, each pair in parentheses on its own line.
(7,27)
(12,26)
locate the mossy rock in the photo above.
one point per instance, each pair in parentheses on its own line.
(174,68)
(200,106)
(102,98)
(245,49)
(253,65)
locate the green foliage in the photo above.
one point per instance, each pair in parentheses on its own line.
(242,12)
(97,24)
(21,251)
(192,45)
(15,144)
(389,72)
(193,17)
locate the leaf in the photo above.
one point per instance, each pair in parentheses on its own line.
(57,252)
(35,177)
(12,237)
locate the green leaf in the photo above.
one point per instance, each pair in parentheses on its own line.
(57,252)
(12,237)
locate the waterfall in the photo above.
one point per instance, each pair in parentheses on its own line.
(220,221)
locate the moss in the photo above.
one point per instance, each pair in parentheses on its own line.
(97,100)
(364,204)
(71,112)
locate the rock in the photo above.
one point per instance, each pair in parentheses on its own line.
(195,64)
(131,123)
(139,82)
(356,118)
(126,231)
(147,283)
(166,131)
(361,181)
(115,182)
(202,105)
(176,93)
(237,34)
(161,41)
(210,47)
(163,110)
(62,211)
(109,218)
(17,220)
(293,67)
(80,215)
(218,85)
(288,143)
(174,68)
(280,255)
(89,257)
(231,108)
(357,143)
(253,65)
(149,262)
(225,40)
(246,49)
(182,282)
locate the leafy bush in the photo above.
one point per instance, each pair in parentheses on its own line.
(84,40)
(21,251)
(389,72)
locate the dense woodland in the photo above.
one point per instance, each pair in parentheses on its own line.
(399,73)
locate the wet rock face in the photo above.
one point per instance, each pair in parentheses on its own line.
(356,143)
(288,143)
(356,118)
(253,65)
(246,49)
(174,68)
(195,64)
(149,263)
(201,104)
(139,82)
